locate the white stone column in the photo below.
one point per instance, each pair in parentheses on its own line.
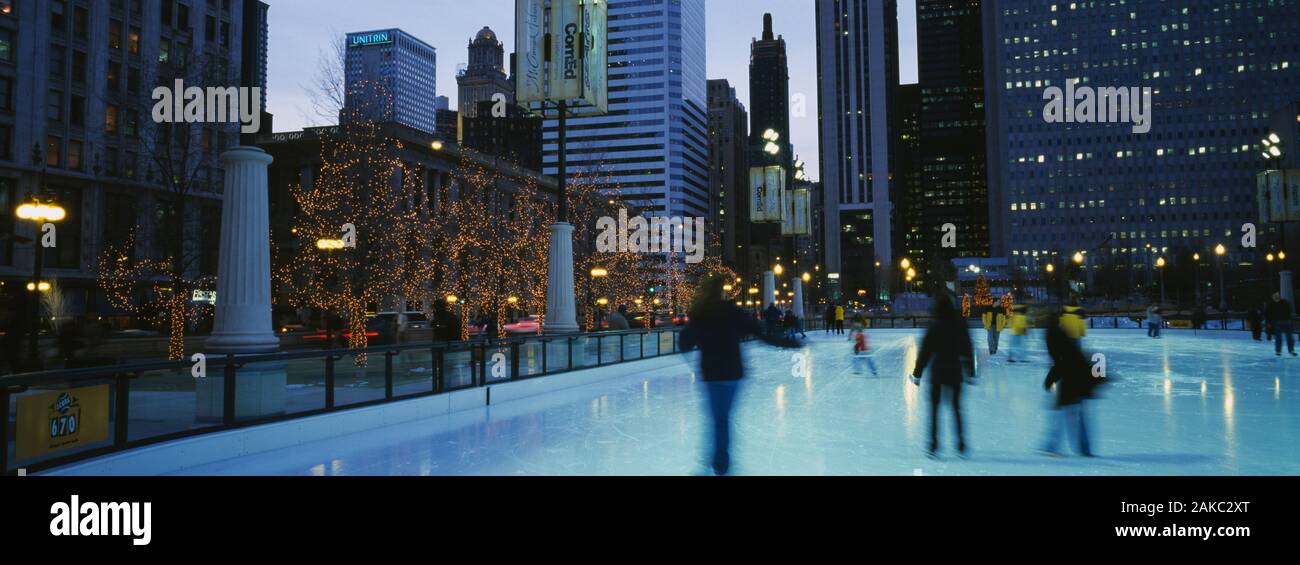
(798,298)
(561,316)
(243,309)
(769,289)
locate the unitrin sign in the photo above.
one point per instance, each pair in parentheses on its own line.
(371,38)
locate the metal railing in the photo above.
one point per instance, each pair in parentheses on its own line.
(162,401)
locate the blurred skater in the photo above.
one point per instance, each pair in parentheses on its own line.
(862,353)
(947,350)
(1074,320)
(791,324)
(1154,321)
(994,322)
(1019,329)
(716,328)
(1071,374)
(1279,317)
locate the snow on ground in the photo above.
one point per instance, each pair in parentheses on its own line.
(1204,403)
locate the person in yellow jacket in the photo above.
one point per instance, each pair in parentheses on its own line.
(995,320)
(1072,320)
(1019,329)
(839,320)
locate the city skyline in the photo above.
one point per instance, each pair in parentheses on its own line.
(302,30)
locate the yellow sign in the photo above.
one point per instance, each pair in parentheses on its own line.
(1180,324)
(62,419)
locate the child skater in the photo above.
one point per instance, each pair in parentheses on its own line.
(862,353)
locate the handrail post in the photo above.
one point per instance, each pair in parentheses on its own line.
(482,364)
(388,374)
(514,361)
(621,348)
(123,401)
(329,382)
(600,349)
(437,370)
(568,346)
(545,345)
(228,392)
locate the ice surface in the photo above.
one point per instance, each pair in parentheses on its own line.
(1210,402)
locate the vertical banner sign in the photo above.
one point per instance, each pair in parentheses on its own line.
(595,75)
(566,44)
(1262,198)
(774,178)
(757,193)
(62,419)
(530,47)
(1292,181)
(796,220)
(1277,192)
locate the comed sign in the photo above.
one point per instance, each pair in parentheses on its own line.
(567,59)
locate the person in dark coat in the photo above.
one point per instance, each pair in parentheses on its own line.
(618,320)
(946,350)
(1071,374)
(1198,317)
(791,324)
(1279,316)
(717,328)
(772,320)
(446,325)
(1254,320)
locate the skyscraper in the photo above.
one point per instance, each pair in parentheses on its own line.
(654,141)
(769,102)
(728,168)
(857,71)
(392,76)
(485,76)
(1216,74)
(954,183)
(909,191)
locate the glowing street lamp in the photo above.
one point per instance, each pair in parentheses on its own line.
(45,286)
(1051,268)
(452,299)
(1160,264)
(1078,258)
(329,244)
(39,213)
(778,269)
(599,272)
(1219,252)
(806,277)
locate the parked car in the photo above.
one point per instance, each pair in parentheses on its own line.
(527,325)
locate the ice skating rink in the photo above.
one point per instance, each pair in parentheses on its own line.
(1209,403)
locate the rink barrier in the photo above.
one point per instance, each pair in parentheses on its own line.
(155,402)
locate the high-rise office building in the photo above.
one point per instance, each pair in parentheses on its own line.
(857,74)
(654,140)
(909,191)
(1129,195)
(950,57)
(76,127)
(728,169)
(769,104)
(516,136)
(392,76)
(485,76)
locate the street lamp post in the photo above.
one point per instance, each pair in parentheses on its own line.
(1219,251)
(596,274)
(1160,264)
(39,213)
(1196,278)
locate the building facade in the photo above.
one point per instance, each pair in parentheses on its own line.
(392,76)
(516,137)
(76,127)
(653,143)
(857,75)
(1127,193)
(728,170)
(769,101)
(485,76)
(954,181)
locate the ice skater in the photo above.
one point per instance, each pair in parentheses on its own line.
(717,328)
(947,350)
(1155,321)
(862,353)
(1279,316)
(994,322)
(1019,329)
(1071,374)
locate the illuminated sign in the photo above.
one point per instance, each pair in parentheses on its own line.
(61,419)
(369,39)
